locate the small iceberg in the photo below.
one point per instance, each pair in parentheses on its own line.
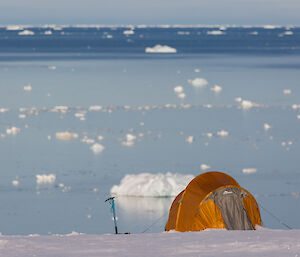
(160,49)
(26,33)
(152,185)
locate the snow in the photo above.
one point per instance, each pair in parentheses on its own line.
(208,243)
(198,82)
(152,185)
(160,49)
(45,179)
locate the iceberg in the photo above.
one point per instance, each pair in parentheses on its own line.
(160,49)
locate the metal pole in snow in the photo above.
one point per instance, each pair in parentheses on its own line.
(112,202)
(114,214)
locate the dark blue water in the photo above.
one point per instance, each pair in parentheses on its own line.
(233,40)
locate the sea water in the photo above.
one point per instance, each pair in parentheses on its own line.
(118,114)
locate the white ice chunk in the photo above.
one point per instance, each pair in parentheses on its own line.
(3,110)
(13,131)
(181,95)
(215,32)
(216,89)
(152,185)
(267,127)
(27,88)
(204,166)
(246,104)
(128,32)
(287,91)
(48,32)
(45,179)
(198,82)
(15,183)
(95,108)
(66,135)
(160,49)
(190,139)
(26,33)
(178,89)
(249,170)
(222,133)
(97,148)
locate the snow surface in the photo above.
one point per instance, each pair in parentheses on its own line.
(152,185)
(208,243)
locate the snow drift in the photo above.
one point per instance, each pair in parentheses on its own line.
(152,185)
(214,243)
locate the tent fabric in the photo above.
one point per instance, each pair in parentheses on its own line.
(213,200)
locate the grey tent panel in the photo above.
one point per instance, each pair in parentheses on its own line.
(230,202)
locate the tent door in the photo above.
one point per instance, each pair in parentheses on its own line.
(230,202)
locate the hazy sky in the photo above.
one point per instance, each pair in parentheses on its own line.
(150,12)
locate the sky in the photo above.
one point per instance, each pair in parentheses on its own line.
(187,12)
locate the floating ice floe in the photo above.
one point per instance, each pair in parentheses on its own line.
(66,135)
(215,32)
(198,82)
(298,117)
(87,140)
(267,127)
(209,135)
(22,116)
(13,131)
(295,106)
(45,179)
(270,27)
(60,108)
(181,95)
(97,148)
(128,32)
(95,108)
(190,139)
(253,33)
(160,49)
(3,110)
(238,99)
(14,27)
(287,91)
(246,104)
(216,89)
(48,32)
(26,33)
(196,70)
(204,166)
(249,170)
(129,140)
(27,88)
(152,185)
(178,89)
(222,133)
(15,183)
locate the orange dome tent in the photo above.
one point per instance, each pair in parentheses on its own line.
(213,200)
